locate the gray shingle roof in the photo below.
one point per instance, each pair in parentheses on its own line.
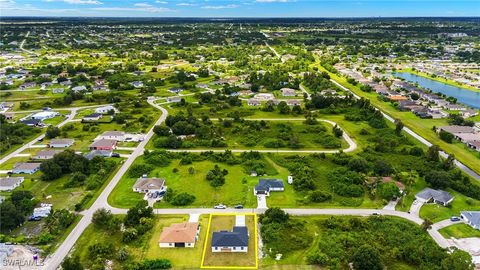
(437,195)
(236,238)
(267,184)
(473,217)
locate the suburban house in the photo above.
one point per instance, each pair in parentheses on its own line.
(293,102)
(61,143)
(44,115)
(437,196)
(79,88)
(174,99)
(32,122)
(264,96)
(92,117)
(105,109)
(265,186)
(46,154)
(180,235)
(288,92)
(234,241)
(26,167)
(149,185)
(10,183)
(175,90)
(121,136)
(474,145)
(472,218)
(103,144)
(457,129)
(467,137)
(253,102)
(98,153)
(57,90)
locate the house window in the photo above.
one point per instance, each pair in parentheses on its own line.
(242,248)
(171,244)
(216,248)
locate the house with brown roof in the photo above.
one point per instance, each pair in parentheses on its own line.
(180,235)
(103,144)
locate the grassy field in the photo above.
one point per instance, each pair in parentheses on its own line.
(460,230)
(235,191)
(437,213)
(297,258)
(422,127)
(229,259)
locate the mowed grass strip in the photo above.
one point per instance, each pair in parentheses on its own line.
(230,259)
(460,230)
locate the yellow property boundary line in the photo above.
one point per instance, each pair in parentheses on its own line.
(208,233)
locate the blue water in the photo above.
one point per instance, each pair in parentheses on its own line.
(463,95)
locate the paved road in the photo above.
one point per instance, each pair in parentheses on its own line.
(460,165)
(64,109)
(72,114)
(62,251)
(70,118)
(351,143)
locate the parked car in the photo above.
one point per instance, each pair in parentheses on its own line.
(115,155)
(34,218)
(238,206)
(454,219)
(220,206)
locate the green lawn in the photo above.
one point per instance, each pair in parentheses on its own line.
(437,213)
(460,230)
(147,246)
(180,257)
(233,192)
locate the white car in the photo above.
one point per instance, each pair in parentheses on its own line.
(220,206)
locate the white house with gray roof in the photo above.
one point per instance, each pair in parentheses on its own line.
(10,183)
(472,218)
(437,196)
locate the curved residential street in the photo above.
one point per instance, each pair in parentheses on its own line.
(53,261)
(460,165)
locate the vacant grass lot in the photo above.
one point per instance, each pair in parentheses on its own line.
(460,230)
(436,213)
(238,188)
(236,259)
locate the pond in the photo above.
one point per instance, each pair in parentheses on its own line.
(463,95)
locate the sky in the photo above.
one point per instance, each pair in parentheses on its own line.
(241,8)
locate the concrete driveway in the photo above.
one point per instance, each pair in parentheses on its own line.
(262,202)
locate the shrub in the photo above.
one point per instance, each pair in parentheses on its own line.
(182,199)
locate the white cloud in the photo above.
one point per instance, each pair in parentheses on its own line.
(186,4)
(139,7)
(6,3)
(220,7)
(144,5)
(161,2)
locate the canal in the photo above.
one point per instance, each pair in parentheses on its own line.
(463,95)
